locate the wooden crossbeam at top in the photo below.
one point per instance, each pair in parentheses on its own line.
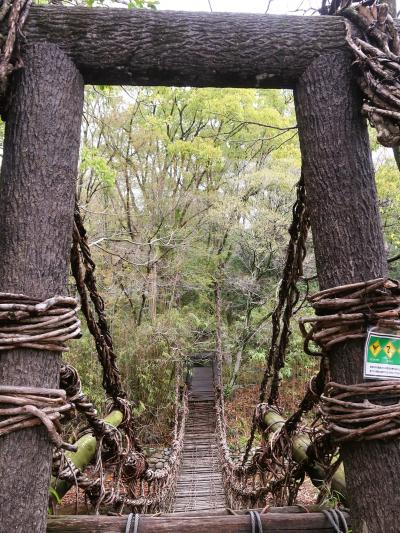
(144,47)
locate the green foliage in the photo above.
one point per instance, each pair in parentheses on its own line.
(131,4)
(54,499)
(228,391)
(182,189)
(94,163)
(332,498)
(388,185)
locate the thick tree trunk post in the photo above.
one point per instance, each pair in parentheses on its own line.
(36,212)
(349,247)
(393,11)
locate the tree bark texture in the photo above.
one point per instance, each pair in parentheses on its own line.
(37,187)
(349,247)
(144,47)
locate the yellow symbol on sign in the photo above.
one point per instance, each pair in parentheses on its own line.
(375,348)
(390,350)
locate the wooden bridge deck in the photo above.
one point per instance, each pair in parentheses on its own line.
(199,483)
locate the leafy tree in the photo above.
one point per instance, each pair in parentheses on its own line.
(174,184)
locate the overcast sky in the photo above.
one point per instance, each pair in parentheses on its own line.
(249,6)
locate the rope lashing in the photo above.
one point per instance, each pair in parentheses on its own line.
(344,313)
(351,414)
(288,298)
(256,524)
(363,411)
(132,525)
(31,407)
(336,519)
(27,322)
(376,47)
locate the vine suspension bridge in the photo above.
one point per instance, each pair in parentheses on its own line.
(342,69)
(200,503)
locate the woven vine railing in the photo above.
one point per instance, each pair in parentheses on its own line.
(154,490)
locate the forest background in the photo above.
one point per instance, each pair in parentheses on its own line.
(182,191)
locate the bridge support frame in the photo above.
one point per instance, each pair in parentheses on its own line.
(38,178)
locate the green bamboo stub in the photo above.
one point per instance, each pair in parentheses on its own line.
(301,442)
(84,455)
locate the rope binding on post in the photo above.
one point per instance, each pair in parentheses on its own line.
(344,313)
(31,407)
(362,411)
(256,524)
(350,413)
(27,322)
(132,524)
(376,48)
(337,520)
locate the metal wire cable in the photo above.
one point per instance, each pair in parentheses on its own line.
(256,524)
(336,519)
(132,524)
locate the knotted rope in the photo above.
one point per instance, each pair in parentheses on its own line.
(249,484)
(288,298)
(256,524)
(146,490)
(34,406)
(132,524)
(71,383)
(337,520)
(27,322)
(83,269)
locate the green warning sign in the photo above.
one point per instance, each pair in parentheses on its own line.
(382,355)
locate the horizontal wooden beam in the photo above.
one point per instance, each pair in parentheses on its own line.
(288,522)
(144,47)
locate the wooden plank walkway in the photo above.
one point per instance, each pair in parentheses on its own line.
(199,483)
